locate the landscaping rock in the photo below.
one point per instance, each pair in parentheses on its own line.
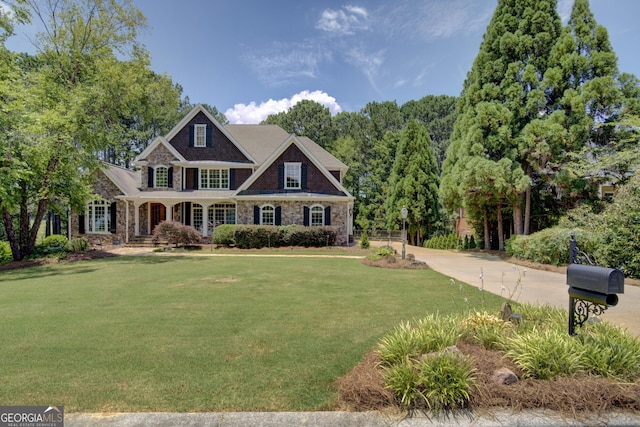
(504,376)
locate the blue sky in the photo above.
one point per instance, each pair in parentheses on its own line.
(251,58)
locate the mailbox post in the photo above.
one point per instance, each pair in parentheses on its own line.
(592,289)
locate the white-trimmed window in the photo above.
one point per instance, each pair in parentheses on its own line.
(222,213)
(267,215)
(292,176)
(316,216)
(161,177)
(200,135)
(98,216)
(197,217)
(214,179)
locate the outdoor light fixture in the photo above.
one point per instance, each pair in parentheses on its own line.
(403,213)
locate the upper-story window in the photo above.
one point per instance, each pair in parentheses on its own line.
(162,177)
(200,135)
(214,179)
(292,175)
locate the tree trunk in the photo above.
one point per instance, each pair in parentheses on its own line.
(11,235)
(527,211)
(487,238)
(500,229)
(518,226)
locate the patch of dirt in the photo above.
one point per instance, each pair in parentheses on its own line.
(395,262)
(362,389)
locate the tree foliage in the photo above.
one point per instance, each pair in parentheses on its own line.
(88,89)
(414,183)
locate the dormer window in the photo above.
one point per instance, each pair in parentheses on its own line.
(162,177)
(200,135)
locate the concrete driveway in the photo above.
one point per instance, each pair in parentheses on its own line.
(536,286)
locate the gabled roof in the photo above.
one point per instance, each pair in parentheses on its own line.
(126,180)
(293,139)
(159,141)
(262,140)
(200,109)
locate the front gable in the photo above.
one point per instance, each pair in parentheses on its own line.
(210,143)
(270,177)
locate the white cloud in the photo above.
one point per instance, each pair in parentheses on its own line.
(255,113)
(345,21)
(436,19)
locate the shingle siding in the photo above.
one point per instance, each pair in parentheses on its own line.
(221,148)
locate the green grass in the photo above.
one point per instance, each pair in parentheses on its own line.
(185,333)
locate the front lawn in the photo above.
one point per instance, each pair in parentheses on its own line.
(157,333)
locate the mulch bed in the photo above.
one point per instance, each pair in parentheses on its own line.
(362,389)
(79,256)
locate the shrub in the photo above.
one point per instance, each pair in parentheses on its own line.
(486,329)
(224,234)
(619,230)
(5,253)
(54,242)
(78,244)
(176,233)
(550,246)
(450,241)
(364,241)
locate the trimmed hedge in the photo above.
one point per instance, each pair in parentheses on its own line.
(263,236)
(450,241)
(224,235)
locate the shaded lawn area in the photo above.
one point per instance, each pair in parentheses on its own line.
(181,334)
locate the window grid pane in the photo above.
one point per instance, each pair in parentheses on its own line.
(200,136)
(99,216)
(317,216)
(197,217)
(214,179)
(267,216)
(292,175)
(162,177)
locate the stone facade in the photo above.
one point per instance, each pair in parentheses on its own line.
(161,157)
(293,213)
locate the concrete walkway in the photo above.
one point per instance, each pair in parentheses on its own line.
(535,286)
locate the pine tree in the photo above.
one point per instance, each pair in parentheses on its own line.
(414,183)
(484,170)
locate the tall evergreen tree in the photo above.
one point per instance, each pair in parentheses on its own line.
(502,94)
(414,183)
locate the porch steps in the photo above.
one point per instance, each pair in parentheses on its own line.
(143,242)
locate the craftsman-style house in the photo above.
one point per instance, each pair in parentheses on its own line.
(204,174)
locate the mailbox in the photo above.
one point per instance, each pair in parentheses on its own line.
(595,279)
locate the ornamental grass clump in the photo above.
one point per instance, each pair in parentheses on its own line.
(418,369)
(486,329)
(545,354)
(610,351)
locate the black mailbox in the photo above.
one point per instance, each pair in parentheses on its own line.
(595,279)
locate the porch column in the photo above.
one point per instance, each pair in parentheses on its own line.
(136,217)
(205,219)
(169,211)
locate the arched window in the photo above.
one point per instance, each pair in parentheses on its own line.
(98,216)
(317,216)
(267,215)
(162,177)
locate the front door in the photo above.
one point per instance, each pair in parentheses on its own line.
(158,214)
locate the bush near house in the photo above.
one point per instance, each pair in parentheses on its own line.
(224,235)
(269,236)
(175,233)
